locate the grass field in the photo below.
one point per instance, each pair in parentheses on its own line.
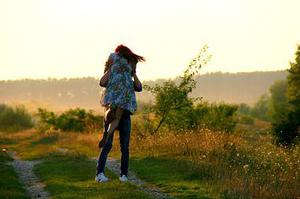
(72,176)
(205,164)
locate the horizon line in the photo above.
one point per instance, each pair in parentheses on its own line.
(82,77)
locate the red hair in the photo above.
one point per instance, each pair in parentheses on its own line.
(128,54)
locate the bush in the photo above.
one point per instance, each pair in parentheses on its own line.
(293,98)
(78,120)
(284,132)
(14,119)
(173,106)
(217,117)
(175,109)
(286,106)
(278,102)
(244,109)
(261,108)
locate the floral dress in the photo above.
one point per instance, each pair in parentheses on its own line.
(119,91)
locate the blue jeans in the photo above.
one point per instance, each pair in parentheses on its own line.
(124,135)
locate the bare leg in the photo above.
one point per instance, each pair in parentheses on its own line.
(112,126)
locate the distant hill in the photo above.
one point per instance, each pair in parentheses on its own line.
(231,87)
(85,92)
(236,87)
(53,93)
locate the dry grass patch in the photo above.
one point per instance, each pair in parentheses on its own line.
(240,168)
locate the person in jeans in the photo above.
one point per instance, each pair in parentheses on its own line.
(124,128)
(120,81)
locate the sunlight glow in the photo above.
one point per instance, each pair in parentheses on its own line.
(72,38)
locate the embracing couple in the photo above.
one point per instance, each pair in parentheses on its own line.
(120,82)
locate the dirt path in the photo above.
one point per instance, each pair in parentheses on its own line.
(32,184)
(114,166)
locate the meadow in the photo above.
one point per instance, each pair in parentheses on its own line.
(199,163)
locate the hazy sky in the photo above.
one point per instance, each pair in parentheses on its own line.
(73,38)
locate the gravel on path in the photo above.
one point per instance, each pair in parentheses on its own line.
(32,184)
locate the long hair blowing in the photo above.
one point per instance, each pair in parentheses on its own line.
(128,54)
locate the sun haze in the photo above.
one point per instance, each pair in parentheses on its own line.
(73,38)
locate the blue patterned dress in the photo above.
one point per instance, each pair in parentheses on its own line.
(119,91)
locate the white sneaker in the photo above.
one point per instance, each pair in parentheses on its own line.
(123,178)
(101,178)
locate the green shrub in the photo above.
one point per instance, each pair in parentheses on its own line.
(218,117)
(286,106)
(14,119)
(284,132)
(261,108)
(292,134)
(47,120)
(244,109)
(78,120)
(173,107)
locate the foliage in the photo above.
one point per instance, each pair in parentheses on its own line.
(216,117)
(244,109)
(47,120)
(205,164)
(78,120)
(14,119)
(293,96)
(172,105)
(293,91)
(179,112)
(286,106)
(278,111)
(235,165)
(278,101)
(261,108)
(244,112)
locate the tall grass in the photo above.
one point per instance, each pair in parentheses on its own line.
(14,119)
(240,168)
(241,164)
